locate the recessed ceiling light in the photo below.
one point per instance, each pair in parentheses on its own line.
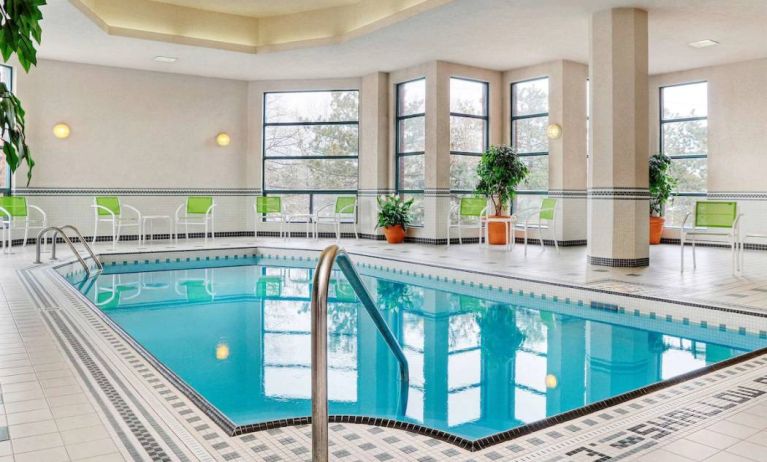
(165,59)
(704,43)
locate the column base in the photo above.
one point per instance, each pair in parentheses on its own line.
(619,262)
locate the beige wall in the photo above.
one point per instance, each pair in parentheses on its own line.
(737,121)
(132,128)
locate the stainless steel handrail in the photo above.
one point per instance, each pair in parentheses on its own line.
(84,243)
(60,230)
(319,314)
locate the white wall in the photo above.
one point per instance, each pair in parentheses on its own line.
(131,129)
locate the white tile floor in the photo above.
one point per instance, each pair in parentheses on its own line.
(50,410)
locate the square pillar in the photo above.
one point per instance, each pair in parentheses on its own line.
(374,160)
(618,196)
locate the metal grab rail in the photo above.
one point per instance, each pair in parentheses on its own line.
(319,313)
(83,241)
(60,230)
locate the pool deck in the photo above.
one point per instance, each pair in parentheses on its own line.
(71,389)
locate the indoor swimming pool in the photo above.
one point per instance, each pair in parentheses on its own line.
(481,360)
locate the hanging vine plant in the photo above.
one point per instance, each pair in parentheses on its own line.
(19,31)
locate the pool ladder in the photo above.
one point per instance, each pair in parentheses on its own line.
(42,236)
(319,312)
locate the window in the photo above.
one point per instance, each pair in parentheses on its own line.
(6,76)
(310,147)
(411,140)
(529,119)
(684,138)
(468,132)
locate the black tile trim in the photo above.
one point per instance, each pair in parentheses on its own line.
(619,262)
(64,191)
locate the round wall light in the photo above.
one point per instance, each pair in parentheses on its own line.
(223,139)
(554,131)
(61,131)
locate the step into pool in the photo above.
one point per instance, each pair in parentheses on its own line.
(481,361)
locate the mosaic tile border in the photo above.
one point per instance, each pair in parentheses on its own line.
(619,262)
(66,191)
(633,194)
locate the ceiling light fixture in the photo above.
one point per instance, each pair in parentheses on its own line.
(165,59)
(704,43)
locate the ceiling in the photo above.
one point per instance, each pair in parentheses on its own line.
(259,8)
(495,34)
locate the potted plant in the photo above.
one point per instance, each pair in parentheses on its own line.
(19,30)
(394,217)
(661,185)
(500,170)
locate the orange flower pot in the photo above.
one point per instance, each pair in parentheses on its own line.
(496,232)
(394,234)
(656,229)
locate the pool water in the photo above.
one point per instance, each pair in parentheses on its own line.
(481,361)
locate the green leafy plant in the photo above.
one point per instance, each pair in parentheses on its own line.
(500,171)
(661,183)
(393,211)
(12,131)
(20,28)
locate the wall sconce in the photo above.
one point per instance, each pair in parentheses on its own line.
(554,131)
(222,351)
(223,139)
(61,131)
(551,381)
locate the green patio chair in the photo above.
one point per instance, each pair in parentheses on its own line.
(542,218)
(196,211)
(109,209)
(469,212)
(712,219)
(344,211)
(269,208)
(15,213)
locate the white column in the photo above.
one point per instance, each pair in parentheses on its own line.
(618,198)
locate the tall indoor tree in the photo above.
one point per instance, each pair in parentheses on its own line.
(19,31)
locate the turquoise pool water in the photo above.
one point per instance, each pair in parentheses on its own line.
(481,361)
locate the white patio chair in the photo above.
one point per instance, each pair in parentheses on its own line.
(469,212)
(15,214)
(712,219)
(543,218)
(197,211)
(109,209)
(344,212)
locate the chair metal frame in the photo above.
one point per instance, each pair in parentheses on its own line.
(731,232)
(7,220)
(337,218)
(460,225)
(118,222)
(205,220)
(537,213)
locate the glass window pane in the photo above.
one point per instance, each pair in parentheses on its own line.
(468,97)
(678,206)
(467,134)
(690,174)
(417,210)
(293,204)
(525,202)
(412,134)
(538,178)
(306,174)
(463,172)
(682,101)
(411,173)
(412,97)
(530,97)
(311,140)
(529,135)
(685,138)
(312,106)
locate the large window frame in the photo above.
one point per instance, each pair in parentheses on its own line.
(485,132)
(6,190)
(663,121)
(398,153)
(514,118)
(264,158)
